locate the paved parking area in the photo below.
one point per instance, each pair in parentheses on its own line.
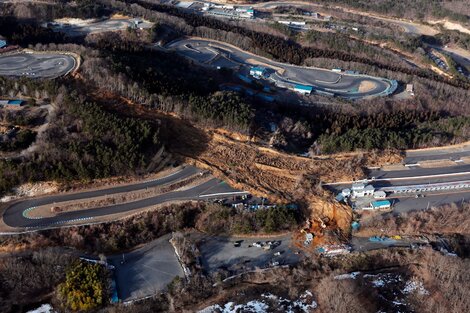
(221,252)
(146,271)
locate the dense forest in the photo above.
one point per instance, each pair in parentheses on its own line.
(84,142)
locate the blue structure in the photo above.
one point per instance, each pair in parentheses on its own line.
(355,225)
(339,197)
(3,44)
(383,204)
(303,89)
(258,71)
(15,102)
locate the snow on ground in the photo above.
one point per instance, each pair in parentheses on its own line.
(413,285)
(352,275)
(268,303)
(393,288)
(230,307)
(45,308)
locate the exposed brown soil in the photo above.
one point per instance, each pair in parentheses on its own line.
(246,164)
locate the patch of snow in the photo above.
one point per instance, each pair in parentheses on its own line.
(378,283)
(45,308)
(304,304)
(413,285)
(352,275)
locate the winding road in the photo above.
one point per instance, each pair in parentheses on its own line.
(216,54)
(16,215)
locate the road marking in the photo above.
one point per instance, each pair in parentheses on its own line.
(160,178)
(224,194)
(428,195)
(400,178)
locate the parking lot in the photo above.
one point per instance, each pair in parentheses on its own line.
(146,271)
(243,254)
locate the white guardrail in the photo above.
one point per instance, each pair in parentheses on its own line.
(428,187)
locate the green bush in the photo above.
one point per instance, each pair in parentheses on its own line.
(85,287)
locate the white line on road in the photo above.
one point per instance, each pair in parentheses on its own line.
(402,178)
(224,194)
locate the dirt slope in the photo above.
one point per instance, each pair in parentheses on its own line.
(250,166)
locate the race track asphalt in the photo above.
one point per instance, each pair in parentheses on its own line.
(15,216)
(36,65)
(340,84)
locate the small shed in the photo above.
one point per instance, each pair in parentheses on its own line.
(380,194)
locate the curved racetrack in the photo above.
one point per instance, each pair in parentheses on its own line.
(36,65)
(339,84)
(16,214)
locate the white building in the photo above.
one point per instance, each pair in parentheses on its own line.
(258,71)
(360,190)
(379,194)
(346,192)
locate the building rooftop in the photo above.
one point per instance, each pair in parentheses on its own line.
(303,87)
(357,186)
(258,69)
(381,203)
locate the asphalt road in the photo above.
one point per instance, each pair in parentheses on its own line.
(36,65)
(408,204)
(340,84)
(451,153)
(415,172)
(146,271)
(14,215)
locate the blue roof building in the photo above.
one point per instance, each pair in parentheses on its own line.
(3,44)
(303,89)
(258,71)
(383,204)
(15,102)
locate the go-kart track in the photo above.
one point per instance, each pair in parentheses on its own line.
(40,65)
(327,82)
(17,214)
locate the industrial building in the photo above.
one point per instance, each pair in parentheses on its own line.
(381,205)
(258,72)
(303,89)
(229,11)
(3,43)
